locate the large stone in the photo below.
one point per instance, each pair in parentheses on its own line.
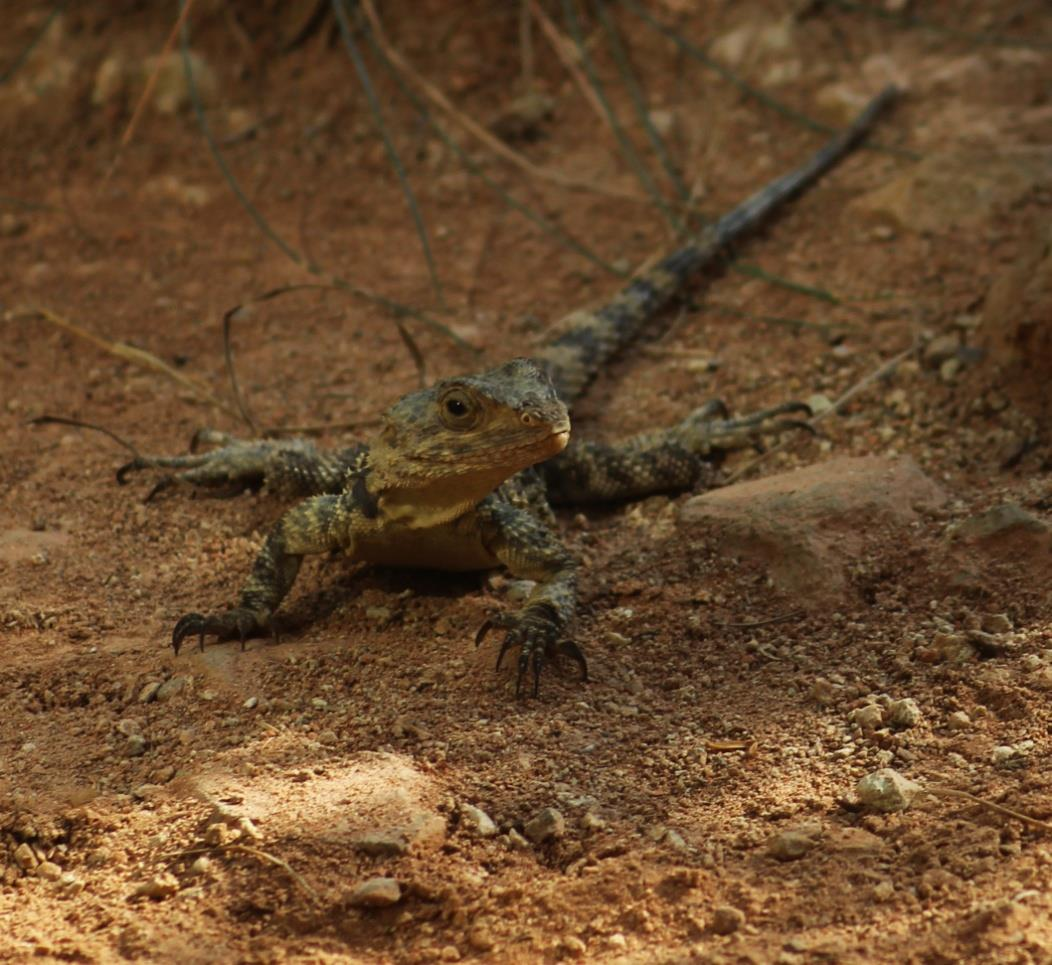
(1016,327)
(809,525)
(945,193)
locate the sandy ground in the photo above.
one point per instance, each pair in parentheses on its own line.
(754,653)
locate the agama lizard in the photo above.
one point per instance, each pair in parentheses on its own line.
(463,474)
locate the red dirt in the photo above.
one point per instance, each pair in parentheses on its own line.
(709,726)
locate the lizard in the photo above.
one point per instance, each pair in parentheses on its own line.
(464,474)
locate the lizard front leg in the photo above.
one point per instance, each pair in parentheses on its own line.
(287,467)
(314,526)
(529,549)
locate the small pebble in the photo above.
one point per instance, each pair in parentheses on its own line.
(48,870)
(726,919)
(959,720)
(996,623)
(617,940)
(202,865)
(887,790)
(904,713)
(517,841)
(792,844)
(251,704)
(135,746)
(590,821)
(382,844)
(477,821)
(545,824)
(161,886)
(573,945)
(376,893)
(868,717)
(149,692)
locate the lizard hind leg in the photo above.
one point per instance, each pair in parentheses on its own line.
(685,456)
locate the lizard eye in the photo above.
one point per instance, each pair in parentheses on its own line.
(458,409)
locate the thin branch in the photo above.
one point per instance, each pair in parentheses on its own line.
(151,83)
(398,67)
(494,143)
(396,308)
(883,369)
(362,71)
(24,53)
(628,150)
(744,86)
(136,356)
(638,96)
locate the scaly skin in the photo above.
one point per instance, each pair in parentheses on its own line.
(463,474)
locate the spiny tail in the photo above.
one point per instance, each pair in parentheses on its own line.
(592,337)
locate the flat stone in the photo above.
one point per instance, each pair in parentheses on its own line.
(948,192)
(809,526)
(792,844)
(376,893)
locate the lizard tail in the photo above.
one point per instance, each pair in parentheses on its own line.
(590,338)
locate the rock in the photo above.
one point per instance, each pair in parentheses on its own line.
(996,623)
(959,720)
(135,745)
(149,692)
(951,647)
(945,193)
(48,870)
(376,893)
(573,945)
(903,714)
(25,857)
(382,845)
(1003,520)
(12,226)
(202,865)
(251,703)
(590,821)
(793,843)
(675,840)
(809,526)
(171,92)
(161,886)
(868,717)
(517,842)
(477,821)
(1016,326)
(726,919)
(1010,756)
(173,686)
(942,349)
(545,824)
(128,727)
(887,790)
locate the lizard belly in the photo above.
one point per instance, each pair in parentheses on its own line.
(456,545)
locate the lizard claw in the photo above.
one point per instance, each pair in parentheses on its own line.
(240,623)
(533,632)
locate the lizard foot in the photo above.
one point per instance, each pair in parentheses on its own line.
(722,434)
(534,632)
(228,469)
(240,623)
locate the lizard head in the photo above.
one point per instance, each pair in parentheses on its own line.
(446,447)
